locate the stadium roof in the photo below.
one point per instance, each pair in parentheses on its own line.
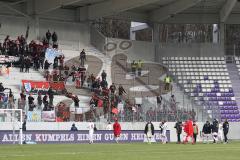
(160,11)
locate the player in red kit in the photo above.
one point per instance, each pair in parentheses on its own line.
(116,130)
(188,129)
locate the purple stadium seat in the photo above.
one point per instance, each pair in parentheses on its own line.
(231,111)
(231,107)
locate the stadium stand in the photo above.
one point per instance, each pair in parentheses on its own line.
(206,79)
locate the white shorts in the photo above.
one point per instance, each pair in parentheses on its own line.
(149,135)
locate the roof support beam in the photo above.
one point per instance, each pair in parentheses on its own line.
(193,19)
(130,16)
(12,8)
(226,10)
(170,10)
(114,7)
(44,6)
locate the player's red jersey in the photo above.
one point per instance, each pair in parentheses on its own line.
(116,129)
(188,127)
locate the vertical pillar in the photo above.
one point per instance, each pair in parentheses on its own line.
(132,34)
(222,33)
(33,22)
(222,37)
(82,14)
(36,27)
(156,41)
(215,33)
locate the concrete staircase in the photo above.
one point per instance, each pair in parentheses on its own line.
(235,79)
(184,101)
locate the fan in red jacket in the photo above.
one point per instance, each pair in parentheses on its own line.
(116,130)
(188,129)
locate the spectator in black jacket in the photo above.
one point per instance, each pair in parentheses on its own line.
(24,128)
(51,96)
(54,37)
(39,100)
(206,132)
(76,101)
(45,102)
(21,61)
(159,100)
(178,127)
(121,90)
(1,87)
(27,64)
(46,65)
(104,75)
(225,130)
(74,128)
(55,62)
(48,36)
(31,102)
(82,57)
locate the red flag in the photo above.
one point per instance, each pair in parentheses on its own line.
(115,110)
(58,119)
(100,103)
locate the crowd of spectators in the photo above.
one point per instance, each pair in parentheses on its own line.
(105,99)
(30,54)
(43,102)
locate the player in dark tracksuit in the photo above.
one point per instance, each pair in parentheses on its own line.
(178,127)
(225,130)
(215,130)
(206,131)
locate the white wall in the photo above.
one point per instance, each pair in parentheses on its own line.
(233,132)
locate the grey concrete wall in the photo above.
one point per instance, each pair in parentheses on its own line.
(13,27)
(97,39)
(146,50)
(72,36)
(137,50)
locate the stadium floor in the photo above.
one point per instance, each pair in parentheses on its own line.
(137,151)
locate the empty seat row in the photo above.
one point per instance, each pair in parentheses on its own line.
(195,58)
(173,69)
(210,94)
(195,62)
(207,85)
(197,66)
(198,81)
(206,74)
(197,69)
(214,99)
(204,90)
(210,79)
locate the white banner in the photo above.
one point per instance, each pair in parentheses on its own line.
(51,54)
